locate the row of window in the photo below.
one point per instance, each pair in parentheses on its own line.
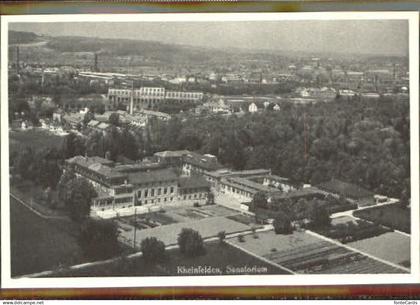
(156,192)
(158,200)
(157,93)
(194,196)
(123,199)
(236,191)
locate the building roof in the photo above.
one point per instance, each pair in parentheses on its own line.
(204,162)
(155,113)
(138,167)
(159,175)
(172,153)
(193,182)
(345,189)
(97,164)
(222,172)
(306,191)
(103,125)
(250,184)
(74,117)
(251,172)
(93,123)
(87,161)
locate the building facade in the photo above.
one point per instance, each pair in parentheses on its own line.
(150,97)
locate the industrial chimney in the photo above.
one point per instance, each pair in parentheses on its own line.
(132,97)
(95,65)
(17,60)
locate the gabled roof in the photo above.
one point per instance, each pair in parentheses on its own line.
(93,123)
(345,189)
(201,161)
(159,175)
(193,182)
(103,125)
(306,191)
(172,153)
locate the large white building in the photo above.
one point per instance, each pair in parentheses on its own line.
(150,97)
(121,188)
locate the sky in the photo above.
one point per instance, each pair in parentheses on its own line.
(381,37)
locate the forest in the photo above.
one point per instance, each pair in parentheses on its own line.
(366,142)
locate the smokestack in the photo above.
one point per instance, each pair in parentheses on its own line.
(132,97)
(17,60)
(95,65)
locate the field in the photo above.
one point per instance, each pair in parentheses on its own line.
(35,138)
(38,244)
(393,216)
(393,247)
(304,253)
(217,256)
(347,229)
(207,227)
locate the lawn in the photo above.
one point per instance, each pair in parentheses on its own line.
(35,138)
(302,252)
(243,218)
(148,220)
(207,227)
(393,216)
(393,247)
(217,257)
(38,244)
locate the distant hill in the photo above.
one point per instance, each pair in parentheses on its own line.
(16,37)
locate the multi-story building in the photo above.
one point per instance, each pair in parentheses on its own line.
(182,97)
(150,97)
(139,184)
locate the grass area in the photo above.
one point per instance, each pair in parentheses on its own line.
(149,220)
(38,244)
(393,216)
(307,254)
(35,138)
(217,257)
(347,229)
(392,246)
(31,192)
(245,219)
(191,214)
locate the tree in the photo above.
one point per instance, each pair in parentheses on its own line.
(114,119)
(259,201)
(24,163)
(79,198)
(190,243)
(64,183)
(221,235)
(128,145)
(282,224)
(73,145)
(153,249)
(404,199)
(210,198)
(99,238)
(88,117)
(319,216)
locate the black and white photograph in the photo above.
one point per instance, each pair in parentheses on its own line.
(199,148)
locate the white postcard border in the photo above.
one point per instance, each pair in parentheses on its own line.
(235,280)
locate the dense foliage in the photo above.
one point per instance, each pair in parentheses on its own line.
(362,142)
(190,243)
(153,249)
(78,194)
(282,224)
(99,239)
